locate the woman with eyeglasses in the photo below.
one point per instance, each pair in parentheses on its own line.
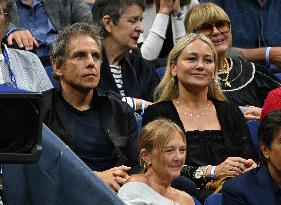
(219,143)
(243,83)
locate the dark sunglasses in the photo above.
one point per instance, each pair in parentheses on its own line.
(207,28)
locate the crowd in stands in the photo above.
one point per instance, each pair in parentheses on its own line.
(95,64)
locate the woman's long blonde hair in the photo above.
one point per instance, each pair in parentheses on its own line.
(168,87)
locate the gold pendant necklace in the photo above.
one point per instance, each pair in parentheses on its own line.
(224,70)
(225,80)
(191,114)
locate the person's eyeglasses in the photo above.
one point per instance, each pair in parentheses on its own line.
(207,28)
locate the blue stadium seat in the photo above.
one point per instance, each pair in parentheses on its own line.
(214,199)
(160,72)
(253,127)
(139,121)
(49,71)
(196,201)
(278,75)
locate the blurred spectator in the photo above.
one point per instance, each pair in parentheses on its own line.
(90,2)
(261,185)
(37,23)
(218,138)
(19,69)
(162,147)
(256,29)
(243,83)
(101,130)
(163,26)
(126,74)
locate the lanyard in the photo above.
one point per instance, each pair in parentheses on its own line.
(7,61)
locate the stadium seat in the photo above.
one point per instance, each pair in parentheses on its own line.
(278,75)
(160,72)
(253,127)
(214,199)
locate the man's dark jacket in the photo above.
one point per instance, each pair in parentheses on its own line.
(118,121)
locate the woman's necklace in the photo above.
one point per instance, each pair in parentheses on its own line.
(191,114)
(224,70)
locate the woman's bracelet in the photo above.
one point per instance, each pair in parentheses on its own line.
(143,105)
(213,172)
(205,168)
(267,56)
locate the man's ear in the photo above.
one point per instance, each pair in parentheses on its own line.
(57,69)
(173,69)
(107,23)
(264,149)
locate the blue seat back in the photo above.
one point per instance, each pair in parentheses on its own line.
(253,127)
(214,199)
(160,72)
(278,75)
(196,201)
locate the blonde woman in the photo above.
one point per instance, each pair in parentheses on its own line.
(243,83)
(162,147)
(216,131)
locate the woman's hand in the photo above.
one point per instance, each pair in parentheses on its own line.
(233,166)
(176,8)
(114,177)
(252,113)
(139,102)
(250,164)
(166,6)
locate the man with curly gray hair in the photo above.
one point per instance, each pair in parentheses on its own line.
(100,129)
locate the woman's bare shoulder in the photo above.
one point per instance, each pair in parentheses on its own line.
(183,198)
(137,178)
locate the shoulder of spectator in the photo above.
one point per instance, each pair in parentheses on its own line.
(137,178)
(24,55)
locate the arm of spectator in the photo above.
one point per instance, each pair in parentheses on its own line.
(178,16)
(258,55)
(153,42)
(251,112)
(136,103)
(141,104)
(234,166)
(23,39)
(114,177)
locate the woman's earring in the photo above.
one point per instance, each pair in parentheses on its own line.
(266,155)
(143,164)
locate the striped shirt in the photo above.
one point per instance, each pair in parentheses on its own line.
(27,69)
(117,75)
